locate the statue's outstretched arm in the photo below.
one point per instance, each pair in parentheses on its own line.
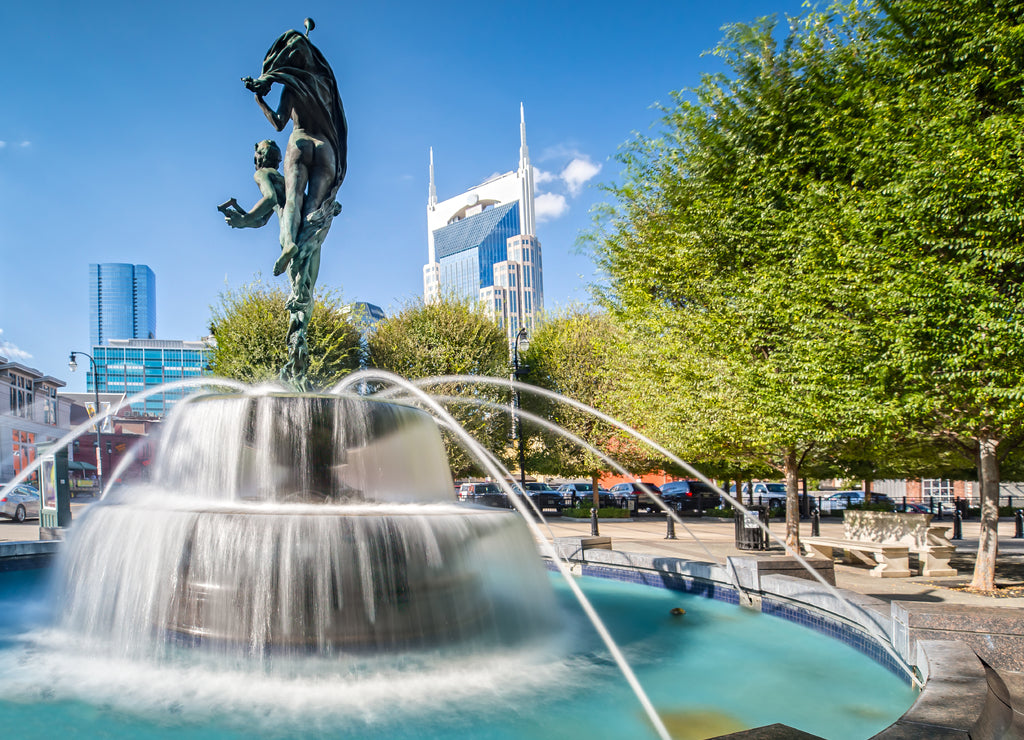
(260,213)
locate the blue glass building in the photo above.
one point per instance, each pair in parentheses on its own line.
(467,250)
(122,302)
(132,365)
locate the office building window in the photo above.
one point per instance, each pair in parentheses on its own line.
(937,488)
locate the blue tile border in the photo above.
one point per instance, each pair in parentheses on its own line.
(857,639)
(837,629)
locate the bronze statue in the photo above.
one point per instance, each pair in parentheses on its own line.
(314,167)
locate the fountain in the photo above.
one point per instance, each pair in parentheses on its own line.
(280,521)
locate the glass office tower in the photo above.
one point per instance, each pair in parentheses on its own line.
(132,365)
(122,302)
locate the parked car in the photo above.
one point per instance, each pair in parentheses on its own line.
(644,494)
(916,508)
(839,500)
(544,496)
(687,495)
(487,494)
(21,503)
(770,494)
(572,492)
(491,494)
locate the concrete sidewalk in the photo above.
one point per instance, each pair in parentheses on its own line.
(713,540)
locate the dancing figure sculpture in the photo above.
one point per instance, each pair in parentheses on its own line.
(313,170)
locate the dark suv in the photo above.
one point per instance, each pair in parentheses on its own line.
(689,495)
(544,496)
(488,494)
(644,495)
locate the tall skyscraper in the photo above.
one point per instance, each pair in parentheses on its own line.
(122,302)
(482,244)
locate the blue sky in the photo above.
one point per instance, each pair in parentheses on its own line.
(125,124)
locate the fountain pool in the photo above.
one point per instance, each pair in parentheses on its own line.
(299,567)
(715,670)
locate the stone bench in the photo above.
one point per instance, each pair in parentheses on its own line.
(890,560)
(929,542)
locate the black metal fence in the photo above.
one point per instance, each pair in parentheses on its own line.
(968,506)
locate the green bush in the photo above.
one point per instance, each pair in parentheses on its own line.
(583,512)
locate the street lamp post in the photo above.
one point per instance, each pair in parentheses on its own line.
(95,388)
(518,371)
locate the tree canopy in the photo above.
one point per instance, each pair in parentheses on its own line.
(819,252)
(576,354)
(250,324)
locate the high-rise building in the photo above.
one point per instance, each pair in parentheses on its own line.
(482,244)
(122,302)
(132,365)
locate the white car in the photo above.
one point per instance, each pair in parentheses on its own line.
(20,503)
(772,494)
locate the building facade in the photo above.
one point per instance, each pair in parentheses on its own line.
(482,245)
(122,302)
(132,365)
(32,416)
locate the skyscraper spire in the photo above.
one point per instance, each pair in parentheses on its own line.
(432,197)
(526,206)
(524,151)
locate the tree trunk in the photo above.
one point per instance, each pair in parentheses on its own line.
(594,489)
(988,543)
(792,501)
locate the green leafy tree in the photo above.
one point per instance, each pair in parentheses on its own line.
(949,136)
(723,251)
(250,324)
(450,337)
(835,225)
(574,354)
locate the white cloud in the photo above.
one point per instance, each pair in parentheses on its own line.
(11,351)
(577,173)
(25,144)
(2,144)
(550,206)
(542,176)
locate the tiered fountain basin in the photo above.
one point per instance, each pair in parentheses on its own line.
(300,522)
